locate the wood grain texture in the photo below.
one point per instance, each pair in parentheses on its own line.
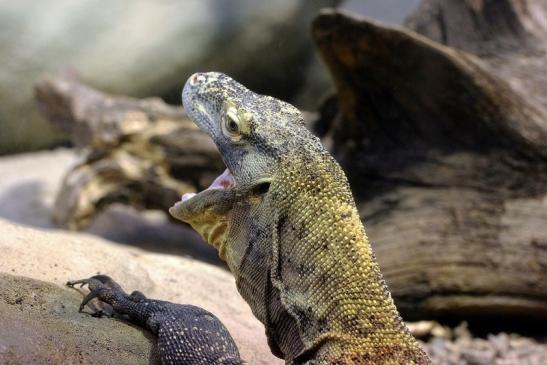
(449,165)
(140,152)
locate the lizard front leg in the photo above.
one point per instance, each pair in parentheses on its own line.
(186,334)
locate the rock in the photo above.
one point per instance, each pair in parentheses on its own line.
(440,331)
(461,332)
(426,329)
(500,343)
(477,351)
(478,357)
(40,324)
(421,329)
(30,183)
(145,48)
(55,257)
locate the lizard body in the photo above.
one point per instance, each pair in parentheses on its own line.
(283,218)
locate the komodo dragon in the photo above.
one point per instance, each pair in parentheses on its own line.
(283,218)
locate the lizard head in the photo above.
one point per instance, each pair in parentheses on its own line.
(252,132)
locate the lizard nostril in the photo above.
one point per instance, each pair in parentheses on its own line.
(196,79)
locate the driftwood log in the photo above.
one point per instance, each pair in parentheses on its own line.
(447,156)
(140,152)
(446,152)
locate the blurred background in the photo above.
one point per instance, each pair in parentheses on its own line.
(144,48)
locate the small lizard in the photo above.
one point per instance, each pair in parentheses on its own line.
(283,218)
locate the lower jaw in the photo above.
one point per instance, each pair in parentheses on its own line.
(215,232)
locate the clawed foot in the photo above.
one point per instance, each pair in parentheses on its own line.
(101,287)
(177,326)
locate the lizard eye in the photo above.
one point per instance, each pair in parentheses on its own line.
(230,126)
(234,124)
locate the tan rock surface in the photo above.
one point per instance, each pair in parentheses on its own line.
(40,324)
(59,256)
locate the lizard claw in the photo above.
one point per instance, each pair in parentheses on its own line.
(176,326)
(82,282)
(101,287)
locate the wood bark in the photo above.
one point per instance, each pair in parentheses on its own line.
(509,36)
(140,152)
(448,164)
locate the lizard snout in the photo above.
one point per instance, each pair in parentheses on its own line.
(197,79)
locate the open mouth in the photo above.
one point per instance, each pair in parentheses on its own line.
(222,182)
(221,194)
(208,211)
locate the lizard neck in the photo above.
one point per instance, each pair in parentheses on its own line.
(326,274)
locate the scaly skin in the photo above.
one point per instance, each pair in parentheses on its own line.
(291,234)
(186,334)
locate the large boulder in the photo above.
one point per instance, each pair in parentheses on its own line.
(145,48)
(35,264)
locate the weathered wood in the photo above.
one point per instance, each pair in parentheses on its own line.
(510,36)
(448,164)
(140,152)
